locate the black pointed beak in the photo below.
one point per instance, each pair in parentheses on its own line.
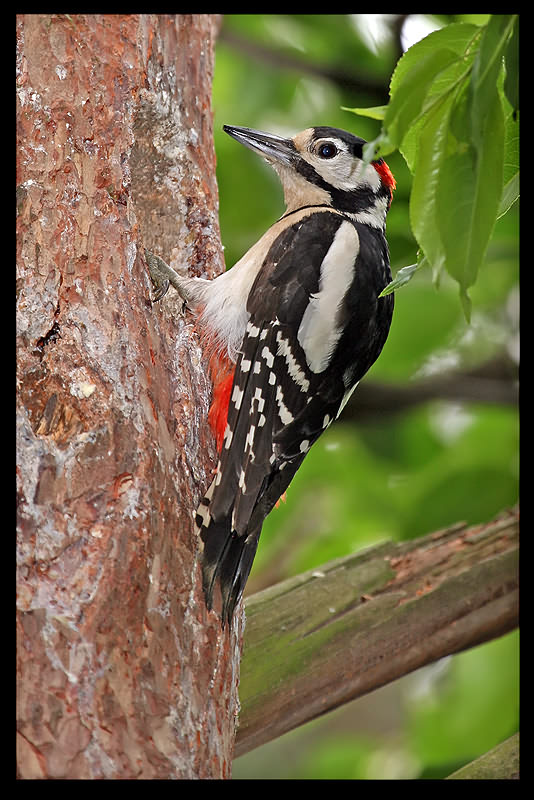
(273,148)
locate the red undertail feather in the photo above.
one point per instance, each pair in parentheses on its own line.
(222,377)
(222,373)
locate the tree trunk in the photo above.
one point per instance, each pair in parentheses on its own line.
(122,672)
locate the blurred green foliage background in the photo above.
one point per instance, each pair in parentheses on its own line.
(396,466)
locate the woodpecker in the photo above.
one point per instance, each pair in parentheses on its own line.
(289,332)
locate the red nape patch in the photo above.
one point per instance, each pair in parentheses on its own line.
(222,372)
(386,174)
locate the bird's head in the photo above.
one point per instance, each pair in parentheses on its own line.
(324,166)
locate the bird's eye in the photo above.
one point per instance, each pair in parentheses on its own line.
(327,150)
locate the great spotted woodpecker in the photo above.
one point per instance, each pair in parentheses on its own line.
(290,330)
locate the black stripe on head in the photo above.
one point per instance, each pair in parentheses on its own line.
(354,200)
(355,143)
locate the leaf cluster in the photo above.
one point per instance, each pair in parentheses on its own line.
(453,114)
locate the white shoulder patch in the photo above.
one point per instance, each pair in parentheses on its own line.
(319,330)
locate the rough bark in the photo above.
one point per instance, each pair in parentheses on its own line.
(121,671)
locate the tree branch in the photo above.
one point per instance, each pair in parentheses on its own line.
(330,635)
(495,381)
(275,57)
(500,763)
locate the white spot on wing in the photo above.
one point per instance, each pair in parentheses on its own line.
(268,356)
(202,517)
(228,436)
(237,397)
(285,414)
(259,398)
(250,437)
(293,367)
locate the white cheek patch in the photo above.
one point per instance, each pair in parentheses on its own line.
(319,330)
(341,171)
(345,173)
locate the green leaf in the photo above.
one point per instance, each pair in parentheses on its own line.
(431,153)
(511,83)
(492,46)
(410,144)
(424,78)
(466,304)
(410,93)
(377,148)
(511,141)
(486,68)
(403,276)
(510,194)
(468,193)
(421,75)
(446,117)
(376,112)
(457,37)
(511,163)
(461,114)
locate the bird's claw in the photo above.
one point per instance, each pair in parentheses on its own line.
(157,269)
